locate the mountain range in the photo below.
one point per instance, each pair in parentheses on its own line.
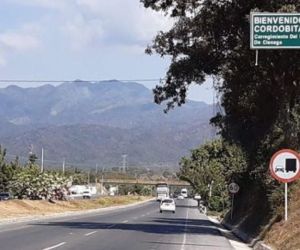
(96,123)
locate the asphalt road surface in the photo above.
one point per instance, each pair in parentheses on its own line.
(135,228)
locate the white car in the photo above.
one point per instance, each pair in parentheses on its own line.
(167,205)
(197,197)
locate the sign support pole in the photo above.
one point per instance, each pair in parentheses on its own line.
(256,58)
(285,201)
(282,163)
(232,206)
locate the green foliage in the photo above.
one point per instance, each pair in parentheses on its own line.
(136,189)
(261,103)
(28,181)
(212,167)
(32,159)
(31,183)
(7,171)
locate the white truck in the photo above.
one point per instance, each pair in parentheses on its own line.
(82,191)
(162,191)
(184,192)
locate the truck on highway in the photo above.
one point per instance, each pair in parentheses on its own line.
(162,191)
(184,192)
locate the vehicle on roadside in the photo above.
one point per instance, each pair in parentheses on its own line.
(167,205)
(4,196)
(86,194)
(197,197)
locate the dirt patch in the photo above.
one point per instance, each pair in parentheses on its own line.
(24,208)
(286,235)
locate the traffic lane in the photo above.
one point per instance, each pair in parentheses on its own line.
(207,237)
(89,215)
(197,231)
(140,228)
(141,232)
(41,234)
(186,229)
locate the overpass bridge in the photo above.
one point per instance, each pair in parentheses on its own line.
(175,183)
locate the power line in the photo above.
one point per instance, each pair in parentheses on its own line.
(71,81)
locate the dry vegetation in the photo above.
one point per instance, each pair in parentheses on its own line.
(286,235)
(23,208)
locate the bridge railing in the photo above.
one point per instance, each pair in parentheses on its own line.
(144,182)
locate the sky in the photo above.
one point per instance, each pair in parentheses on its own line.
(82,39)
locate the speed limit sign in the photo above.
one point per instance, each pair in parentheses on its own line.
(233,188)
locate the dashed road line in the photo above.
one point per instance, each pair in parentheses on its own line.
(88,234)
(185,230)
(125,221)
(55,246)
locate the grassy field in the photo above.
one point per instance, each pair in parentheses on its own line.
(24,208)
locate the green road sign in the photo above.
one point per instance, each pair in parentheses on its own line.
(275,30)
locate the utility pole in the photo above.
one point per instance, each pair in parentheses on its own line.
(42,162)
(124,163)
(210,188)
(96,174)
(63,166)
(102,181)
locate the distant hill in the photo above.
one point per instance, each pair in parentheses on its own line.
(89,123)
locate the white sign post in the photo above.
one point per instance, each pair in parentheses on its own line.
(285,167)
(233,189)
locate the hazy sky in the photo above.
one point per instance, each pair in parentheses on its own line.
(82,39)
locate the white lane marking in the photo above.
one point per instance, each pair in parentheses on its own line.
(125,221)
(143,215)
(88,234)
(185,231)
(135,218)
(55,246)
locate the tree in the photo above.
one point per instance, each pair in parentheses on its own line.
(32,159)
(7,171)
(211,38)
(30,183)
(211,167)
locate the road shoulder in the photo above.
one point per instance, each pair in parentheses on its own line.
(235,242)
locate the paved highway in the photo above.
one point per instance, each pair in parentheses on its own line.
(135,228)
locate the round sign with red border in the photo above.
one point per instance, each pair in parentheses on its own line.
(233,188)
(285,165)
